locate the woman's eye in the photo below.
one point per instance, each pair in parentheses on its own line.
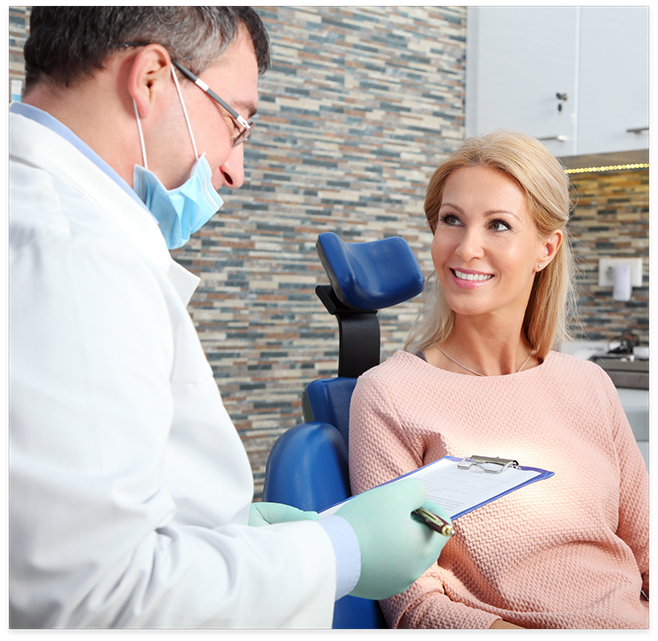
(499,225)
(449,219)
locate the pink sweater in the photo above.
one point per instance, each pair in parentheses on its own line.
(571,551)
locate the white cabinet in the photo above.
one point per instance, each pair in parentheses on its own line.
(613,79)
(518,60)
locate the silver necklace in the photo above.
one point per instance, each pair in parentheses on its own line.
(478,373)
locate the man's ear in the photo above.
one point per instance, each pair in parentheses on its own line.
(149,75)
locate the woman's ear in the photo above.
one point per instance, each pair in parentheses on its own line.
(549,248)
(148,76)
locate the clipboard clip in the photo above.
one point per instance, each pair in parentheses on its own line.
(501,464)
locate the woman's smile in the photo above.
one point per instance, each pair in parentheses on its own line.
(469,279)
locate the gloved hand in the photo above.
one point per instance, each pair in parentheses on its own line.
(268,513)
(395,548)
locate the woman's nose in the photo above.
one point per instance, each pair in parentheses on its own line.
(470,245)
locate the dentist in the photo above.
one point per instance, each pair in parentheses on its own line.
(130,491)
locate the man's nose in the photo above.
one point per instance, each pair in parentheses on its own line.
(233,168)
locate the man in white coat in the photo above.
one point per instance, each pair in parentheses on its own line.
(130,491)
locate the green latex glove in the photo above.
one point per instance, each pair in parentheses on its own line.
(395,548)
(269,513)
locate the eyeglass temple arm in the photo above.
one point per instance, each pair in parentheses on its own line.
(204,87)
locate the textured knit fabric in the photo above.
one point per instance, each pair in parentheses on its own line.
(571,551)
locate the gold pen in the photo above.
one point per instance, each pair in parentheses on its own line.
(433,521)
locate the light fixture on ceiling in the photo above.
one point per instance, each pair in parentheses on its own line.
(584,170)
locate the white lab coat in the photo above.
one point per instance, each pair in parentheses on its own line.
(129,486)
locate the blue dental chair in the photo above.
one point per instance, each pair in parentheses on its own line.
(308,464)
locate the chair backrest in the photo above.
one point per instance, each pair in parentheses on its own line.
(328,400)
(307,468)
(308,465)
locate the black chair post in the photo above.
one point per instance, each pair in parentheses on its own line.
(358,334)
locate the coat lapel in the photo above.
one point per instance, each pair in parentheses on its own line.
(39,146)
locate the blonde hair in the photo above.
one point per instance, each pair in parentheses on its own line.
(546,187)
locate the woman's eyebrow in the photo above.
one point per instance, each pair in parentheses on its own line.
(489,213)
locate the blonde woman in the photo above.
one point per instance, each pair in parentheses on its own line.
(480,375)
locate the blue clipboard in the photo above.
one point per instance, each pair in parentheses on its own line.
(488,468)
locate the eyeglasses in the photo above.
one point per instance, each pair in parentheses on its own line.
(243,127)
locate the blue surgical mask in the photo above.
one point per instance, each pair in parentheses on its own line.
(181,211)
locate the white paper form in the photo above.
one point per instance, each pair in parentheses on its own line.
(459,491)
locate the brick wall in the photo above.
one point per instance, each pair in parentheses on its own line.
(19,18)
(611,220)
(359,108)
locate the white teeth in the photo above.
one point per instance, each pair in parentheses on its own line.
(464,276)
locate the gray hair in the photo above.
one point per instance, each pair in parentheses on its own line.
(67,43)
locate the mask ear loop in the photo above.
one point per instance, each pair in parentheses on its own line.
(141,135)
(187,120)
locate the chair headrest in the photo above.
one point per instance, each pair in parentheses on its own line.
(371,275)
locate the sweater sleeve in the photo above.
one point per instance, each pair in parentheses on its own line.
(381,449)
(633,526)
